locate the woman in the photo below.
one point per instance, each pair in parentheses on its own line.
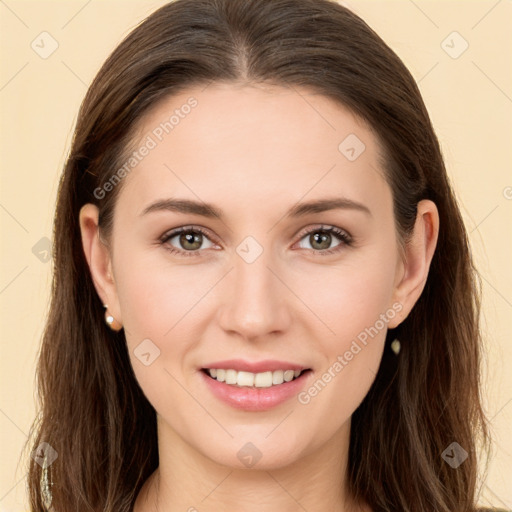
(264,297)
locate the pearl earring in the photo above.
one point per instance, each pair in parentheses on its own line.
(396,346)
(111,321)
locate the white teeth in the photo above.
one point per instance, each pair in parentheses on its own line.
(263,380)
(277,377)
(245,379)
(248,379)
(288,375)
(231,377)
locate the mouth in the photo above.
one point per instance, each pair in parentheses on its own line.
(245,379)
(255,386)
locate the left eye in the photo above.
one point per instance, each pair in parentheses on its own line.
(320,239)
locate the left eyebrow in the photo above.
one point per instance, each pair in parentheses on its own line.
(211,211)
(323,205)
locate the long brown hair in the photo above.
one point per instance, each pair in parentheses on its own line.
(92,410)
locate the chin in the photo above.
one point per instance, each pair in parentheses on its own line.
(257,452)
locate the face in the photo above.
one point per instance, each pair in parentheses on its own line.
(266,284)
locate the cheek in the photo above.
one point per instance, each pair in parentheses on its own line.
(166,304)
(159,305)
(357,313)
(353,308)
(155,295)
(346,299)
(336,392)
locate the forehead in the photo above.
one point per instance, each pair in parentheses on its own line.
(259,140)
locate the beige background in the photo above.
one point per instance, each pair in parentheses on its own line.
(469,98)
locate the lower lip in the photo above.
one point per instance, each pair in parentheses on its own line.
(255,399)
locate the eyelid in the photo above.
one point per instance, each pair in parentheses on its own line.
(171,233)
(329,228)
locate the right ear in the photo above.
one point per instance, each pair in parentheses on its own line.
(98,257)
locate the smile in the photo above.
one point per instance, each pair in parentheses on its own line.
(248,379)
(255,391)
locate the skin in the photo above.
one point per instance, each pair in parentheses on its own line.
(254,152)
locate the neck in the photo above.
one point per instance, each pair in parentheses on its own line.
(188,481)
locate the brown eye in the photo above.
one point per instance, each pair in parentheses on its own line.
(321,239)
(190,241)
(186,241)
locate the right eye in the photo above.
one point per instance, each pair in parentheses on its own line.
(185,241)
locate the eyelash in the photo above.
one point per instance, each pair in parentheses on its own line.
(343,236)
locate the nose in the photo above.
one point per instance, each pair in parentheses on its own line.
(256,302)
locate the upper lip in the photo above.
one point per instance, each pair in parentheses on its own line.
(241,365)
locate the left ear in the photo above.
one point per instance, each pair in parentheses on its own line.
(412,272)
